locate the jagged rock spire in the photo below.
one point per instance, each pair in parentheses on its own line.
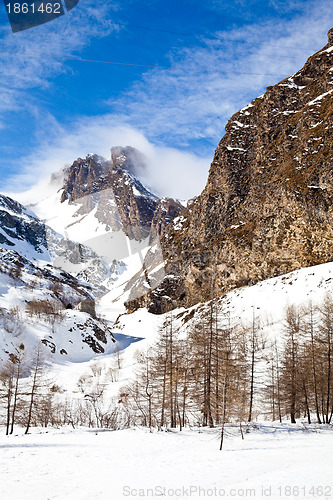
(330,36)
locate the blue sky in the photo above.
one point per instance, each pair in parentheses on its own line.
(208,60)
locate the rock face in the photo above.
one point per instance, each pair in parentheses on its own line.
(166,210)
(120,200)
(330,36)
(267,207)
(16,225)
(87,306)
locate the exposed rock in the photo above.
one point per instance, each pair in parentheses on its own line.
(98,335)
(330,36)
(16,224)
(87,306)
(82,178)
(267,207)
(29,236)
(120,200)
(166,210)
(50,345)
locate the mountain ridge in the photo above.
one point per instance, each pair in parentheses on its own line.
(96,222)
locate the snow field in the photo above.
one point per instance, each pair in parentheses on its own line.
(95,465)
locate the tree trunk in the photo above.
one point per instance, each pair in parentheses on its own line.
(314,371)
(33,389)
(15,397)
(224,401)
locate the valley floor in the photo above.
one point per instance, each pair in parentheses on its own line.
(273,461)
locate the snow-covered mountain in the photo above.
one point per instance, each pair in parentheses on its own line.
(102,206)
(87,237)
(37,304)
(21,230)
(24,232)
(94,197)
(210,345)
(259,216)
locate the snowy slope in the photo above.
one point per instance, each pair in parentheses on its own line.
(33,303)
(20,229)
(267,300)
(112,220)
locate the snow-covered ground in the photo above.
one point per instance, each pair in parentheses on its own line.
(273,461)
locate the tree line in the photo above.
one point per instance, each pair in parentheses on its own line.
(214,372)
(221,371)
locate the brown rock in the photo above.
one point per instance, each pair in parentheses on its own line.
(330,36)
(267,207)
(121,201)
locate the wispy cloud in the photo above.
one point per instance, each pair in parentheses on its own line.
(181,107)
(169,172)
(27,59)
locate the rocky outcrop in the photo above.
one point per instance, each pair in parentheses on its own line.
(166,210)
(87,306)
(82,177)
(16,225)
(267,207)
(21,231)
(120,200)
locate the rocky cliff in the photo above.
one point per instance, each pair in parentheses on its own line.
(267,207)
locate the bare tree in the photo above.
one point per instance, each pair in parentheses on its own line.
(326,344)
(290,359)
(7,382)
(37,369)
(254,345)
(17,360)
(277,370)
(310,327)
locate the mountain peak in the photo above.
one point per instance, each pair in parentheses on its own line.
(82,176)
(330,36)
(128,158)
(113,190)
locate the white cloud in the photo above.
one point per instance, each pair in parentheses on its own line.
(175,173)
(169,172)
